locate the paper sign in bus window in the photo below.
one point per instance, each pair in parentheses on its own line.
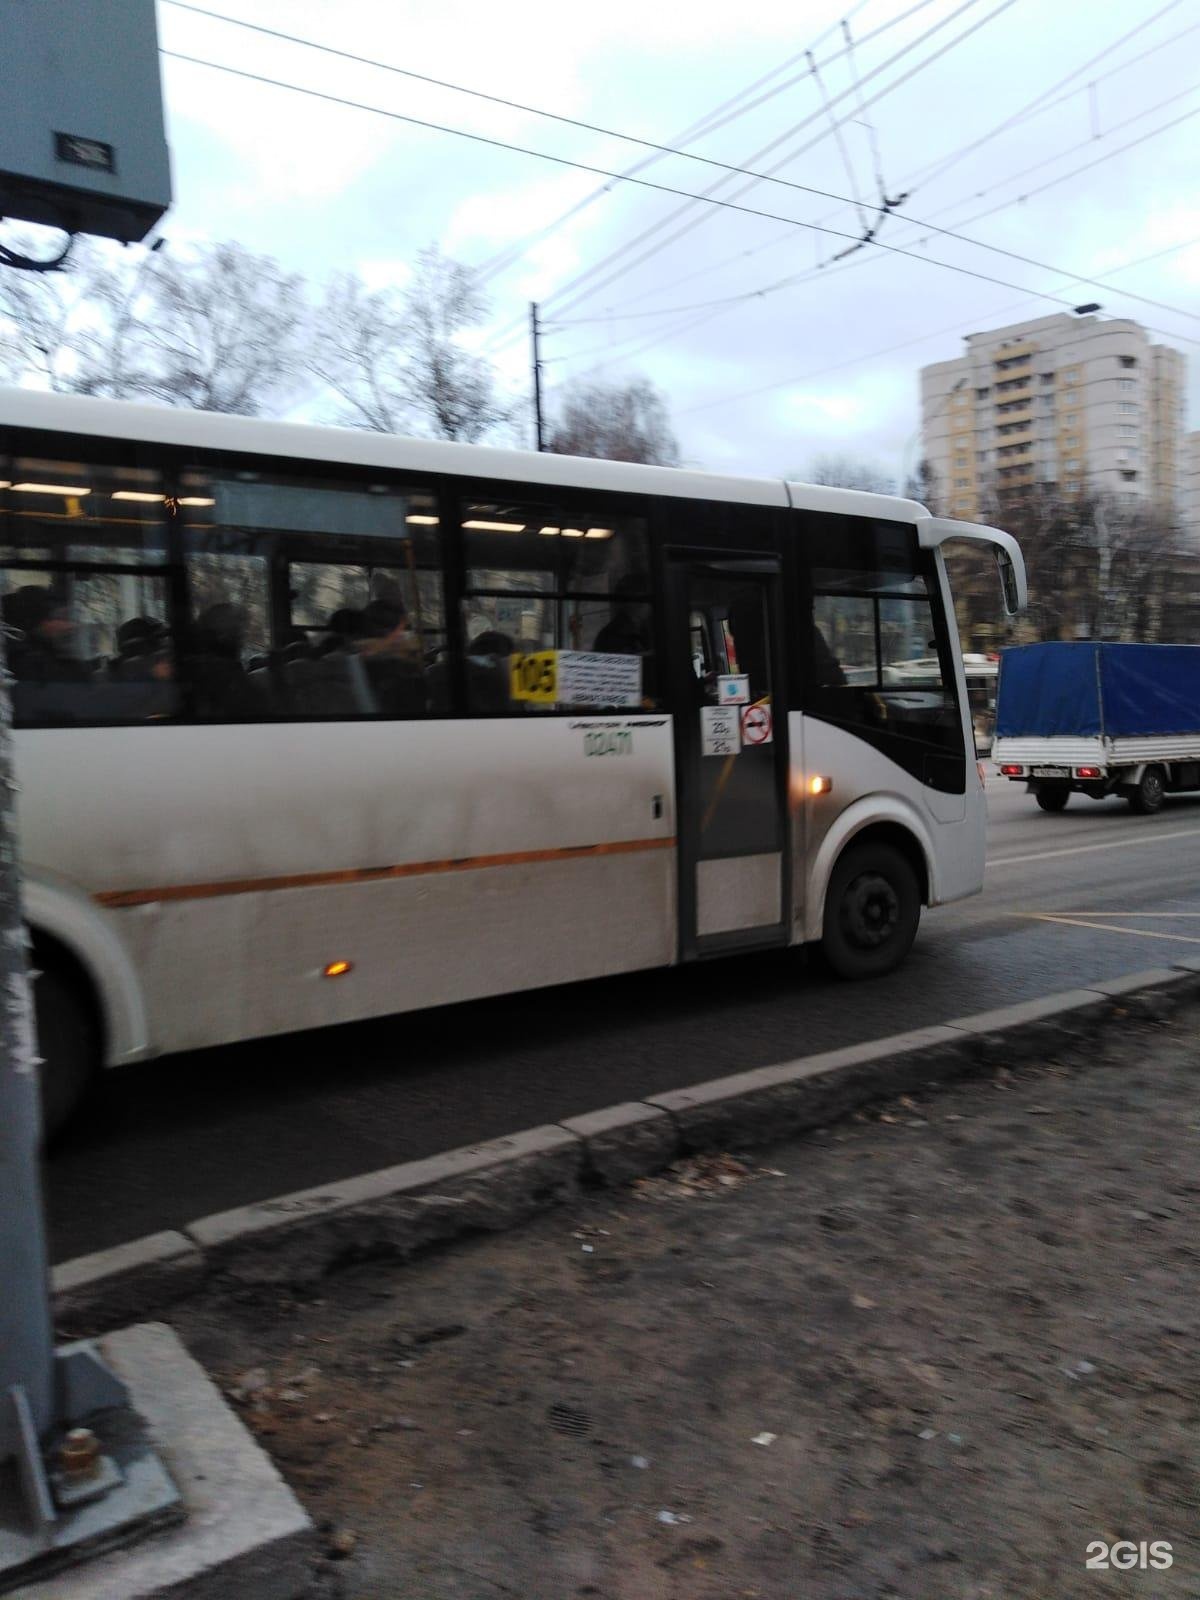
(720,731)
(576,678)
(534,677)
(595,678)
(733,689)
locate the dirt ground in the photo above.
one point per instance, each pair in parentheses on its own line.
(935,1351)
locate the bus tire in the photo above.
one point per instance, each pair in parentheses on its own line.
(1052,796)
(67,1042)
(1146,796)
(872,909)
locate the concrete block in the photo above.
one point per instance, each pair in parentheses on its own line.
(1033,1027)
(294,1238)
(778,1102)
(625,1141)
(245,1533)
(129,1281)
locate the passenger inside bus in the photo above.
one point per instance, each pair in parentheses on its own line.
(41,651)
(143,652)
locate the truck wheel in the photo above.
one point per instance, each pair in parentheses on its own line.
(1052,796)
(67,1042)
(872,909)
(1147,795)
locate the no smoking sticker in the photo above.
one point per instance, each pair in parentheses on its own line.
(757,727)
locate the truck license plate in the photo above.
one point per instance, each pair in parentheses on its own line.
(1052,772)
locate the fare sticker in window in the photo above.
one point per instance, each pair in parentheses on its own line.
(733,689)
(534,677)
(720,731)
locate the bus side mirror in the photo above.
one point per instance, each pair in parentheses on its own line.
(1008,581)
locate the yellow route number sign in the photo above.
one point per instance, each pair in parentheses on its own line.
(534,676)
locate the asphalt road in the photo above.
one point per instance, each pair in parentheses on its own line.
(1078,897)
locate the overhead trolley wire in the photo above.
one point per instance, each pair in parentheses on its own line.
(933,333)
(687,194)
(714,308)
(912,182)
(789,155)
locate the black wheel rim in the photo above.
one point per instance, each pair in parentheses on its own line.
(870,911)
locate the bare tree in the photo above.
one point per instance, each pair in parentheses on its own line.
(213,327)
(921,485)
(396,360)
(1101,566)
(55,326)
(219,329)
(616,422)
(845,471)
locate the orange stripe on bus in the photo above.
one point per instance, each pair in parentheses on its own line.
(408,869)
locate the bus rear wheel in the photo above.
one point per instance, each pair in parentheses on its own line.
(67,1042)
(872,910)
(1052,796)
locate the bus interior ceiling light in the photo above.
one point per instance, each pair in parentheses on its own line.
(49,488)
(143,495)
(572,533)
(196,500)
(497,527)
(423,522)
(337,969)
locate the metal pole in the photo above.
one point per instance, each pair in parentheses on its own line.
(26,1334)
(537,376)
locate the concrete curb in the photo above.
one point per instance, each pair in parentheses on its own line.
(298,1238)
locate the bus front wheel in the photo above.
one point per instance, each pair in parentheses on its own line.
(872,909)
(66,1042)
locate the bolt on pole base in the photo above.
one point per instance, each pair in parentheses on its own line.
(102,1486)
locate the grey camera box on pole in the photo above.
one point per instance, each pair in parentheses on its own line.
(82,141)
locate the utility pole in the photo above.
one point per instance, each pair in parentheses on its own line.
(535,332)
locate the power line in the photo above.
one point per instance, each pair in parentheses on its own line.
(788,156)
(646,183)
(934,333)
(656,148)
(927,175)
(796,280)
(1033,107)
(953,233)
(705,125)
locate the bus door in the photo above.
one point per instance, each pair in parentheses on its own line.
(727,680)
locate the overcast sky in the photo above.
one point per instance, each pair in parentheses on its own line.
(764,384)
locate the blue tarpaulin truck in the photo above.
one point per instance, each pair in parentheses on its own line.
(1099,719)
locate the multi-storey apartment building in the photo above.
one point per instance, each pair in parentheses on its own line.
(1191,487)
(1080,402)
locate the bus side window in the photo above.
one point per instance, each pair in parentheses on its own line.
(311,599)
(543,579)
(875,659)
(84,593)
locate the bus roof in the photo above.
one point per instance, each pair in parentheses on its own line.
(206,430)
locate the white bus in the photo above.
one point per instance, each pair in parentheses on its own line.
(316,725)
